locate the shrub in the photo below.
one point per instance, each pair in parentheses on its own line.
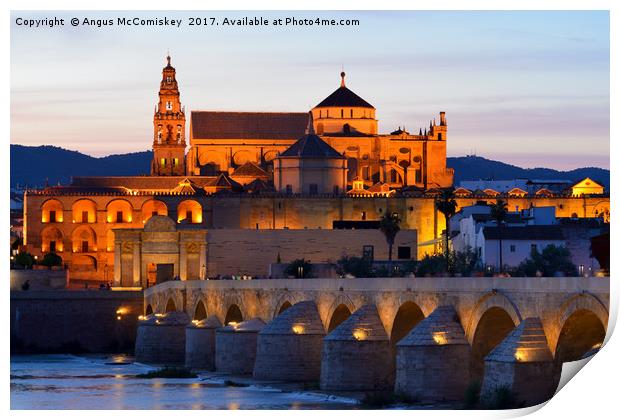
(299,268)
(552,260)
(24,259)
(51,260)
(356,266)
(430,265)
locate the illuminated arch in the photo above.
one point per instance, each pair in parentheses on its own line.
(52,211)
(233,314)
(119,211)
(189,208)
(152,208)
(83,239)
(83,263)
(84,210)
(51,240)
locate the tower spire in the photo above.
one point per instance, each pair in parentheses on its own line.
(342,74)
(310,128)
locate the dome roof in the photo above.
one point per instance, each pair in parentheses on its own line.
(344,97)
(311,146)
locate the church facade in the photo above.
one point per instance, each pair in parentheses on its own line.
(294,178)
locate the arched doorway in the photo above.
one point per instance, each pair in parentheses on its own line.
(233,315)
(407,317)
(581,335)
(494,325)
(284,307)
(341,313)
(170,306)
(200,312)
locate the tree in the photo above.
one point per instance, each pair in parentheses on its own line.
(499,210)
(552,260)
(51,259)
(299,268)
(446,204)
(356,266)
(390,226)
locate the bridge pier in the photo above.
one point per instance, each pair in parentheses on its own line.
(235,346)
(200,343)
(161,338)
(289,347)
(522,364)
(357,355)
(432,361)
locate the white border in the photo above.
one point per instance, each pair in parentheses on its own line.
(590,395)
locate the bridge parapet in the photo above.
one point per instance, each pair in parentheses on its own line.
(553,300)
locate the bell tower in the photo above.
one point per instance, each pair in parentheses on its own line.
(169,128)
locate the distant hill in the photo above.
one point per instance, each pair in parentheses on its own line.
(31,166)
(476,167)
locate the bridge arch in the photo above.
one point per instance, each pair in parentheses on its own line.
(491,329)
(284,302)
(233,314)
(148,310)
(170,306)
(407,317)
(486,302)
(581,324)
(342,308)
(200,310)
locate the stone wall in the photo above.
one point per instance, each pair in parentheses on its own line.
(249,252)
(38,279)
(74,320)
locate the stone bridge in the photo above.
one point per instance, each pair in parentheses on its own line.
(573,311)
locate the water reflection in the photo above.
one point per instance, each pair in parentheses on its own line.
(109,382)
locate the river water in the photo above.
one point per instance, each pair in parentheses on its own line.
(108,382)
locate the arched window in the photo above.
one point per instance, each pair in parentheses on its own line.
(189,211)
(119,211)
(84,211)
(51,212)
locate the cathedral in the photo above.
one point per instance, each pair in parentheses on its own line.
(261,144)
(255,188)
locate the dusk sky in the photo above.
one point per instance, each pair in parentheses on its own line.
(528,88)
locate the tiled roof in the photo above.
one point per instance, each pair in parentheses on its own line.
(312,146)
(151,183)
(343,96)
(248,125)
(250,169)
(525,233)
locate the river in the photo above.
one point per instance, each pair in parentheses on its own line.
(108,382)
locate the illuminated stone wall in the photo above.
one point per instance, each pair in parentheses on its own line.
(236,212)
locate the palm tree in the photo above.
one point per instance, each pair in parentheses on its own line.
(499,210)
(390,226)
(447,205)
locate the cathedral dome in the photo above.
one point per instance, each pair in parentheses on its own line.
(344,97)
